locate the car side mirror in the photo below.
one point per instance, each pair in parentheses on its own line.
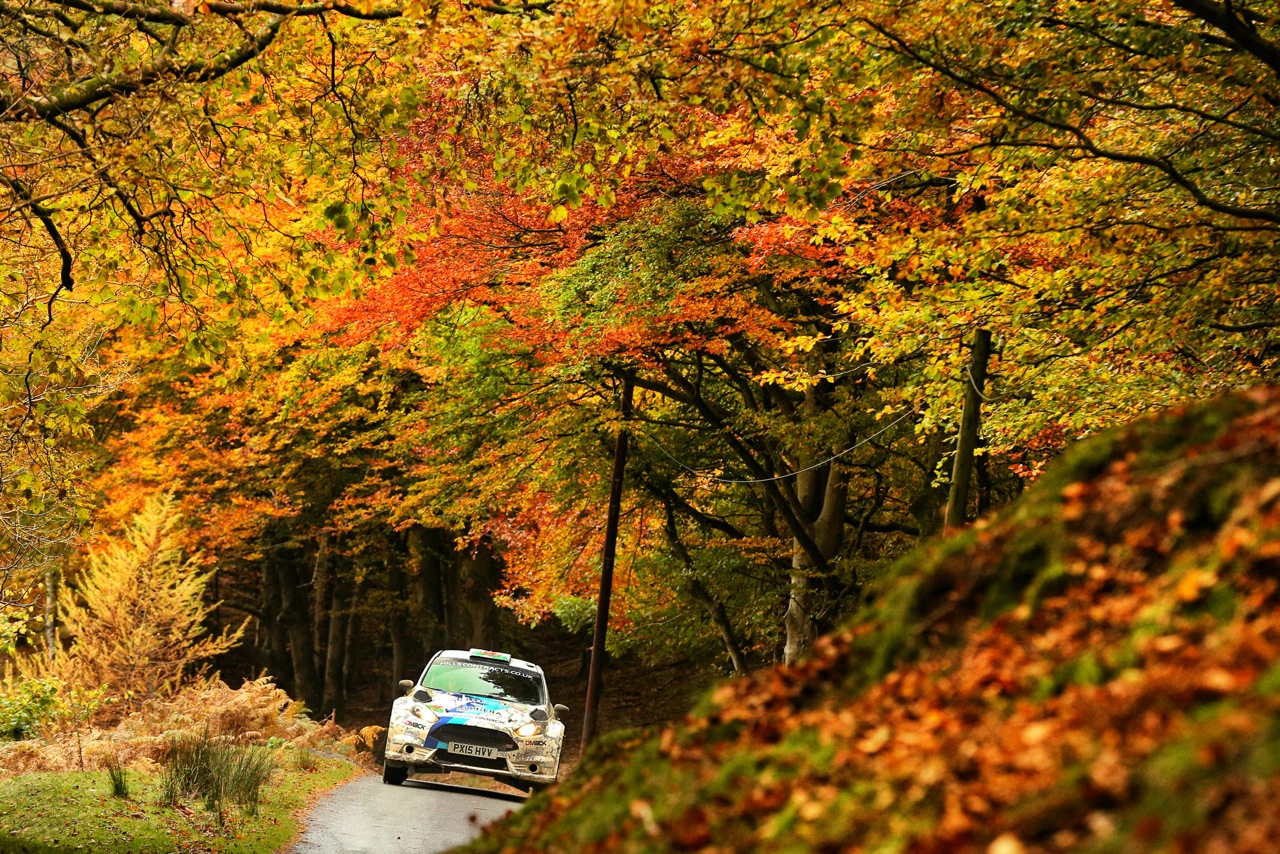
(422,695)
(561,709)
(406,685)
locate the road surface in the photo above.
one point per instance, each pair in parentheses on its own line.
(418,817)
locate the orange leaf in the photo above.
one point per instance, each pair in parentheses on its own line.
(1194,583)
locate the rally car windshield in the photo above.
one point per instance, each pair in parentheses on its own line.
(481,679)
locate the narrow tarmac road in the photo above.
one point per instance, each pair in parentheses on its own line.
(366,816)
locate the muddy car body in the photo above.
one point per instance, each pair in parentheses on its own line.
(480,712)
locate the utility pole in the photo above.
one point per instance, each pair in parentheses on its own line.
(596,672)
(970,421)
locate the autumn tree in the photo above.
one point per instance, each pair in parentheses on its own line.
(295,465)
(1111,163)
(136,616)
(133,189)
(787,221)
(522,358)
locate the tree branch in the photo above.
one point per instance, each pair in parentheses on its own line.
(65,282)
(1245,327)
(1239,31)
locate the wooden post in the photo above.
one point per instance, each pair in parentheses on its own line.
(596,672)
(970,421)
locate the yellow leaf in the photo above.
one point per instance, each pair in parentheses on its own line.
(875,741)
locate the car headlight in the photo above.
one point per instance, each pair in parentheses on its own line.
(423,714)
(531,729)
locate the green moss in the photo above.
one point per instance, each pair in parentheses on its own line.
(1224,494)
(1082,461)
(1172,763)
(1269,684)
(1050,581)
(1160,440)
(896,618)
(1088,669)
(1028,556)
(1264,760)
(1220,603)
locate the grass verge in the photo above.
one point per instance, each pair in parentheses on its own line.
(53,813)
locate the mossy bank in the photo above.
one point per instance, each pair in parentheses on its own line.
(1095,669)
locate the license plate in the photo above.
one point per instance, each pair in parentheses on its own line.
(473,750)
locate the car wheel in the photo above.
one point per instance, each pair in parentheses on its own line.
(394,776)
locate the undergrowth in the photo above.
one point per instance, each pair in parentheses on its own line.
(217,772)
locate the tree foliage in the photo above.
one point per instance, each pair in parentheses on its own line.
(785,222)
(136,617)
(134,190)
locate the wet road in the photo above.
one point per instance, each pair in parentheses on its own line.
(418,817)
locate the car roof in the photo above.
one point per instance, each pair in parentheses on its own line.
(465,655)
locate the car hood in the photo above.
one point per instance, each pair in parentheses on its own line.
(479,711)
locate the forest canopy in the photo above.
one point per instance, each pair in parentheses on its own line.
(361,284)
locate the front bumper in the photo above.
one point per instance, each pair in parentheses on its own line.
(532,763)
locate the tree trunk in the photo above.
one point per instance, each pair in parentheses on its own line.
(51,614)
(426,565)
(927,502)
(825,490)
(613,515)
(320,602)
(698,590)
(335,653)
(472,618)
(398,622)
(348,643)
(984,483)
(278,661)
(822,492)
(970,421)
(720,618)
(296,617)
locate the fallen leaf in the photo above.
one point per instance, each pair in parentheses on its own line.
(1194,583)
(875,741)
(1006,843)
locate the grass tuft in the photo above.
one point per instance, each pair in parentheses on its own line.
(215,771)
(118,775)
(304,760)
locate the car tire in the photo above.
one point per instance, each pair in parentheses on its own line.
(394,776)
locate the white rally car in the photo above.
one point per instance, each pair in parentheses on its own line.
(480,712)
